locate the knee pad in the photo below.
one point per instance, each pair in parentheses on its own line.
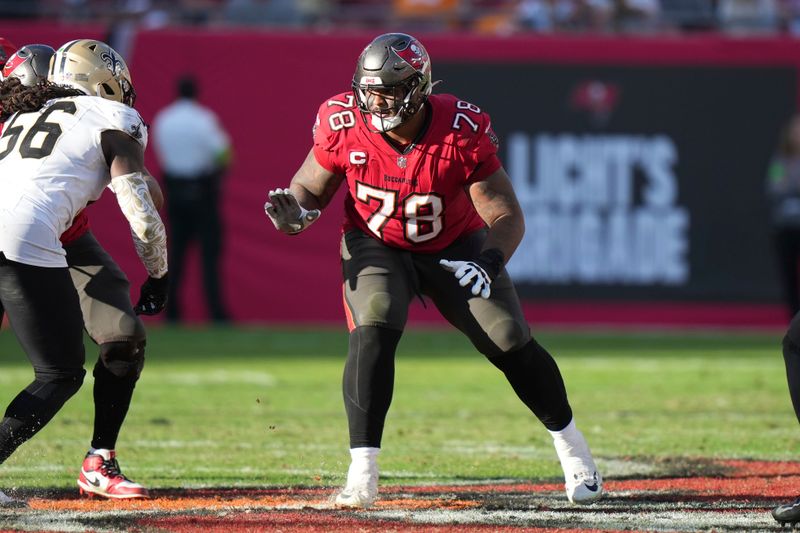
(124,359)
(374,341)
(514,360)
(369,369)
(67,377)
(51,387)
(505,336)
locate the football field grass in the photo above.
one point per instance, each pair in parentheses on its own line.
(249,407)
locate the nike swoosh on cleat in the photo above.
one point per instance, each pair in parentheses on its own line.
(592,487)
(92,480)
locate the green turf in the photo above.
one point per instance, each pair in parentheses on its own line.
(230,407)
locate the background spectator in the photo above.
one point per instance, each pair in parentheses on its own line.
(194,152)
(749,15)
(783,187)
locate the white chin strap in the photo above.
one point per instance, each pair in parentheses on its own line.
(385,124)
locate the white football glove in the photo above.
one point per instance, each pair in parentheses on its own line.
(470,272)
(287,214)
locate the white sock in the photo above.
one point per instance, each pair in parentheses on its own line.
(364,454)
(567,437)
(363,461)
(572,449)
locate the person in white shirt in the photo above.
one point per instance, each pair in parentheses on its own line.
(64,141)
(194,151)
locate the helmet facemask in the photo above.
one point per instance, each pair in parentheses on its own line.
(389,106)
(128,94)
(392,80)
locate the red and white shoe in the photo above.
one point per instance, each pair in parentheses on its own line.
(100,475)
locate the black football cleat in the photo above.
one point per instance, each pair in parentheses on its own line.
(787,513)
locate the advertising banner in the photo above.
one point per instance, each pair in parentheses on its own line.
(640,165)
(637,183)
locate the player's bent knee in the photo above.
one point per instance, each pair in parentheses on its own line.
(374,341)
(508,336)
(501,338)
(377,311)
(530,354)
(67,380)
(124,359)
(131,327)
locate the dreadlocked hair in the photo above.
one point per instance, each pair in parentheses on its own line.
(15,97)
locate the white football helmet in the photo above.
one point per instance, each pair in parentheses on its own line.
(94,68)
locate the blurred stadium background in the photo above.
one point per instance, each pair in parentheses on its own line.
(637,132)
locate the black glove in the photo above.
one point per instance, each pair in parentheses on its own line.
(152,296)
(492,261)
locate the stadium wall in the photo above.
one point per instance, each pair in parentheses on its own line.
(640,163)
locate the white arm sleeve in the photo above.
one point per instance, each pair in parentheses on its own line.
(147,230)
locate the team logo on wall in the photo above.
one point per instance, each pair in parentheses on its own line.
(596,97)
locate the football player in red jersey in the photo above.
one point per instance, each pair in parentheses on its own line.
(430,211)
(109,317)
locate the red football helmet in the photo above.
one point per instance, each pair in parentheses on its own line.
(6,50)
(29,64)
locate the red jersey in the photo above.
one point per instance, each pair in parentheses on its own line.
(413,198)
(80,224)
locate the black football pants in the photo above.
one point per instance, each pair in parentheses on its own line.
(43,309)
(379,284)
(104,295)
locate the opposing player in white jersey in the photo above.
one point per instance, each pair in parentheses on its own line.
(109,318)
(63,143)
